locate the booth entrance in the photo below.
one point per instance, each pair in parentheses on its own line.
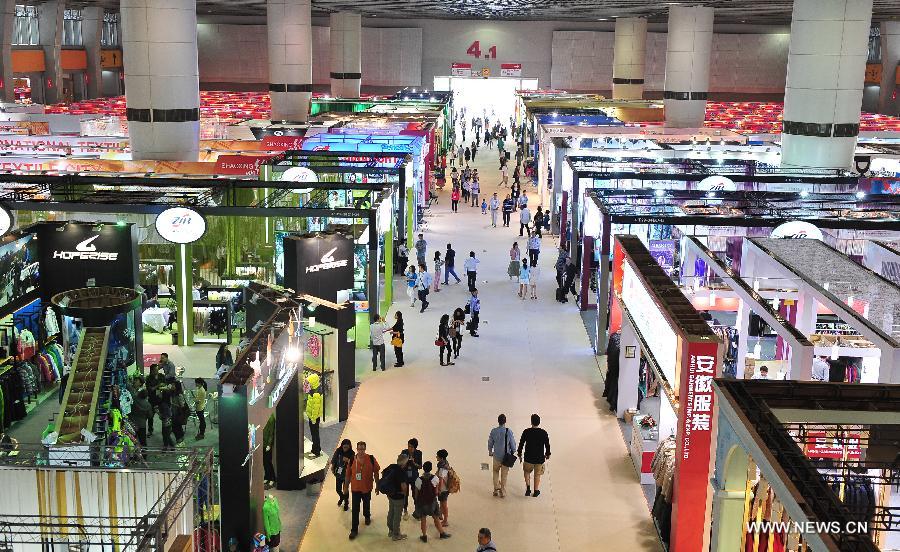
(494,97)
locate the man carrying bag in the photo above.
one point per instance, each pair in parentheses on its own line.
(501,447)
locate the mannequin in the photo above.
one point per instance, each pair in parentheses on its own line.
(268,442)
(314,413)
(272,521)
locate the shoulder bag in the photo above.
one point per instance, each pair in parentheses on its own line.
(509,459)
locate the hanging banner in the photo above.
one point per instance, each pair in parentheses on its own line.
(510,69)
(180,225)
(690,512)
(820,444)
(282,143)
(461,69)
(244,165)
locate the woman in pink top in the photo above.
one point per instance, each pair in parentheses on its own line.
(454,199)
(515,257)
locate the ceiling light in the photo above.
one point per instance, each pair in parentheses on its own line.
(860,194)
(804,193)
(659,193)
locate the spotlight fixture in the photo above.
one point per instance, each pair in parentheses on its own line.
(659,193)
(860,194)
(804,193)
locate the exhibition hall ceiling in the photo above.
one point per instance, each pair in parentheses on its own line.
(727,11)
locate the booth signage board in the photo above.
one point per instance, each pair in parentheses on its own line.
(510,69)
(819,445)
(244,165)
(461,69)
(797,229)
(180,225)
(282,143)
(651,322)
(72,254)
(320,265)
(65,145)
(692,506)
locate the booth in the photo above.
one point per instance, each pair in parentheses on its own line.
(812,457)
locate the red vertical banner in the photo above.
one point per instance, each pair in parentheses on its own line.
(615,315)
(692,498)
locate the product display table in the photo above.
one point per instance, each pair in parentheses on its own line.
(642,448)
(156,318)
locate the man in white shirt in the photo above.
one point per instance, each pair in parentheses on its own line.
(376,332)
(819,369)
(525,221)
(494,206)
(471,266)
(423,285)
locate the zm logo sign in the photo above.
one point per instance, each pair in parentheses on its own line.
(328,262)
(86,251)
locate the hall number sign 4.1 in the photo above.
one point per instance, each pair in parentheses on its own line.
(475,51)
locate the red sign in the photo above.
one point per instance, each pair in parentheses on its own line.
(240,164)
(151,359)
(819,445)
(691,504)
(461,69)
(510,69)
(282,143)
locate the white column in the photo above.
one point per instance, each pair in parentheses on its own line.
(628,58)
(92,33)
(825,74)
(629,370)
(7,24)
(162,85)
(742,325)
(290,58)
(890,57)
(688,44)
(346,68)
(50,30)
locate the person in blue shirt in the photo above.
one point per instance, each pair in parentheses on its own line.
(411,278)
(501,442)
(423,286)
(474,312)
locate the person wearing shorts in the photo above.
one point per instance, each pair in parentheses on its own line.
(443,472)
(536,444)
(426,501)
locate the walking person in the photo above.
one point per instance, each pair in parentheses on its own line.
(376,333)
(523,200)
(154,384)
(536,443)
(180,411)
(454,199)
(494,206)
(443,340)
(466,186)
(501,444)
(411,278)
(421,248)
(438,265)
(340,465)
(456,330)
(476,189)
(534,249)
(508,205)
(539,221)
(200,394)
(533,276)
(471,266)
(524,221)
(474,307)
(141,411)
(514,192)
(468,154)
(519,155)
(412,472)
(426,501)
(515,258)
(524,273)
(423,286)
(393,484)
(446,474)
(398,337)
(474,147)
(460,155)
(364,474)
(504,176)
(449,261)
(517,175)
(402,257)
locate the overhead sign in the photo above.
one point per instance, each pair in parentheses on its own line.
(86,250)
(461,69)
(6,220)
(510,69)
(320,265)
(797,229)
(299,174)
(820,444)
(328,262)
(180,225)
(246,165)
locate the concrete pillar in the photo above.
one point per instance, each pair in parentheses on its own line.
(162,85)
(290,58)
(92,33)
(50,30)
(824,89)
(7,25)
(628,58)
(346,68)
(688,46)
(890,58)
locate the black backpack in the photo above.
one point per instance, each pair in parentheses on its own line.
(389,484)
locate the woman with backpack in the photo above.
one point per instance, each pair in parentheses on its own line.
(340,462)
(426,500)
(443,340)
(449,483)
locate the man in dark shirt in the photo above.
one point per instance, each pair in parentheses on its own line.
(449,264)
(536,443)
(508,205)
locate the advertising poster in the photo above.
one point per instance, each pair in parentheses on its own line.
(663,251)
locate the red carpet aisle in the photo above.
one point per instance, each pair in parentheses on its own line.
(537,357)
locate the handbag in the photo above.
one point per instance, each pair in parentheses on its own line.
(509,459)
(439,342)
(396,341)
